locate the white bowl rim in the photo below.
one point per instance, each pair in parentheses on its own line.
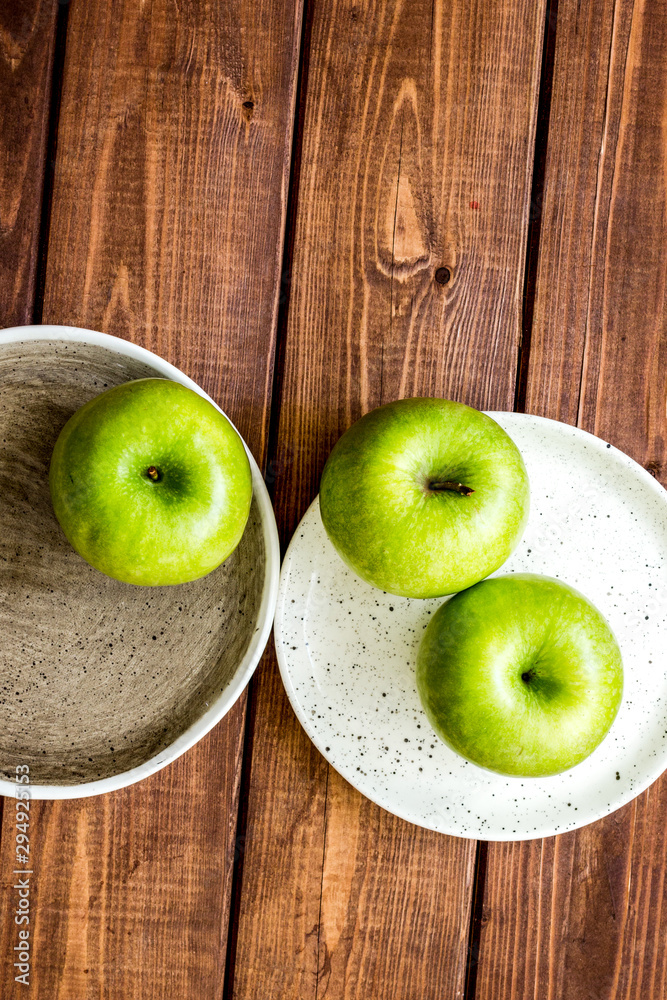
(268,602)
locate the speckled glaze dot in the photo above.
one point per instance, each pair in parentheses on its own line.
(347,651)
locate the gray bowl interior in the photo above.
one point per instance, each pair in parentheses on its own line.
(97,676)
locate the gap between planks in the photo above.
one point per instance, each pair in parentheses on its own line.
(523,362)
(57,74)
(536,199)
(272,468)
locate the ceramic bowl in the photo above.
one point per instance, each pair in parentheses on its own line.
(104,683)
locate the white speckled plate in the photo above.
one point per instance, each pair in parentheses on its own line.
(347,651)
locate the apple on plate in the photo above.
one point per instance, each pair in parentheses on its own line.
(424,497)
(151,483)
(520,674)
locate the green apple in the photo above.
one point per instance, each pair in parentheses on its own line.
(520,674)
(151,483)
(424,497)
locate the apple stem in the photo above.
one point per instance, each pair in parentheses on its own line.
(153,474)
(465,491)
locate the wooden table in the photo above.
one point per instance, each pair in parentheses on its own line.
(263,191)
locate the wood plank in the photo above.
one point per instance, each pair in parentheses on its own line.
(582,915)
(167,225)
(417,154)
(27,37)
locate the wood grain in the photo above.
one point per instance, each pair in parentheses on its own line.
(27,37)
(582,915)
(167,225)
(417,154)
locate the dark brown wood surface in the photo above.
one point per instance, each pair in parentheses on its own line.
(166,228)
(582,915)
(27,41)
(162,219)
(397,180)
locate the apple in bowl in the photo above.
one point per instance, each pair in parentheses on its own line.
(151,483)
(520,674)
(424,497)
